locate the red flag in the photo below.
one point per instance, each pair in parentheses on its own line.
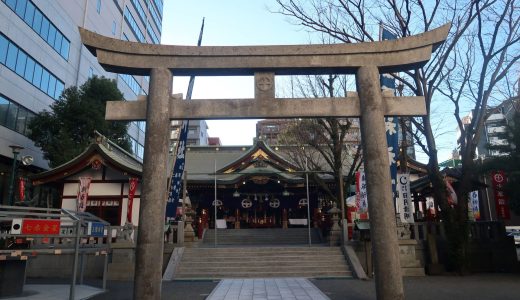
(84,185)
(131,192)
(21,188)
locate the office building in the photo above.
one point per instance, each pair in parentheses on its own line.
(41,55)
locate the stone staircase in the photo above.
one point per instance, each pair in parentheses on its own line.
(264,236)
(262,262)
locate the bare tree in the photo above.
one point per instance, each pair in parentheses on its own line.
(326,145)
(479,54)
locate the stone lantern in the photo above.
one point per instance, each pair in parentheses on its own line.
(335,231)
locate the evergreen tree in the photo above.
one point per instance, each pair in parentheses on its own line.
(68,128)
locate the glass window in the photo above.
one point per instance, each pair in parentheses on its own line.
(37,21)
(98,6)
(20,8)
(45,81)
(44,32)
(59,89)
(37,79)
(65,48)
(29,69)
(12,52)
(113,27)
(3,48)
(20,63)
(11,4)
(30,116)
(52,35)
(29,13)
(52,86)
(57,41)
(11,116)
(21,120)
(4,107)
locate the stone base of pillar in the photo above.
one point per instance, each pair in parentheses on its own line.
(334,238)
(284,225)
(410,265)
(237,225)
(189,233)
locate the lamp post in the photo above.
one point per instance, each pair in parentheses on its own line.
(16,150)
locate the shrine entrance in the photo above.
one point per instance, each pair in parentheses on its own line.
(255,188)
(366,60)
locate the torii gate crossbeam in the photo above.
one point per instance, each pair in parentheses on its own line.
(365,60)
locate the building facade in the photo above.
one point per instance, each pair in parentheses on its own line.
(41,54)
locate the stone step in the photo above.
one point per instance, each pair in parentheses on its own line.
(272,236)
(230,258)
(265,267)
(220,275)
(233,262)
(260,250)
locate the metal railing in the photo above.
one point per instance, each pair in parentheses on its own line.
(26,232)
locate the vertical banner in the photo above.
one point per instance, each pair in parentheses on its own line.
(21,188)
(474,205)
(178,167)
(452,196)
(388,83)
(404,198)
(361,192)
(132,187)
(84,185)
(499,179)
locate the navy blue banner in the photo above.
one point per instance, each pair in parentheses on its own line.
(180,157)
(391,123)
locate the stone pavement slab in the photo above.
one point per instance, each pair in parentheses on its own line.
(266,289)
(56,291)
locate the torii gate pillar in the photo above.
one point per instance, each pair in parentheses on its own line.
(389,284)
(150,240)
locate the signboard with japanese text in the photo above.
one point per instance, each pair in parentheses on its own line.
(40,227)
(361,192)
(404,198)
(84,185)
(96,229)
(132,187)
(498,180)
(474,205)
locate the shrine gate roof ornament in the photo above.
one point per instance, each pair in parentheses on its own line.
(138,59)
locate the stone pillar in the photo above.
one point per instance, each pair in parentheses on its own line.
(389,282)
(149,248)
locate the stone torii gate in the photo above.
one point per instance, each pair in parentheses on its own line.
(365,60)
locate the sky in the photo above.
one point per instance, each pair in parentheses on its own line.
(237,22)
(227,23)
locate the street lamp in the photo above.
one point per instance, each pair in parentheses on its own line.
(16,150)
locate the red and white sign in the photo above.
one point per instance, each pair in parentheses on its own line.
(131,193)
(84,185)
(21,188)
(41,227)
(499,180)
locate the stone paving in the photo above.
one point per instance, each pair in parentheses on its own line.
(266,289)
(56,291)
